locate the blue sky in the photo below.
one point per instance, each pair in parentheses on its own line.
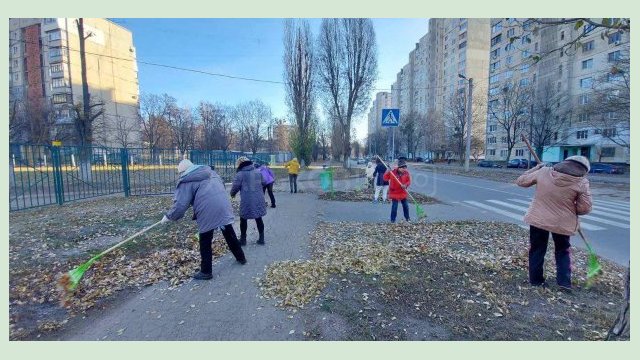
(247,48)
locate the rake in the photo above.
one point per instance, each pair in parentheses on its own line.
(593,266)
(419,210)
(70,280)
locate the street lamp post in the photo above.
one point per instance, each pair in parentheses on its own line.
(468,125)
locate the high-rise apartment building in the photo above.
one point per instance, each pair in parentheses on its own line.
(45,76)
(374,118)
(570,80)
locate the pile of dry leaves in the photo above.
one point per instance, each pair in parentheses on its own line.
(366,195)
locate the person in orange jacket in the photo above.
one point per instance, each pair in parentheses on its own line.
(398,185)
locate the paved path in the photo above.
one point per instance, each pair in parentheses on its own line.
(212,310)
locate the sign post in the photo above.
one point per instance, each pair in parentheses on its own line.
(391,118)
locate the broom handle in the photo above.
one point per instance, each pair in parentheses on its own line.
(394,176)
(530,149)
(127,240)
(584,238)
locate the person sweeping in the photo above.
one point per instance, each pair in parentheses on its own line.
(562,193)
(399,180)
(293,168)
(269,179)
(202,188)
(249,183)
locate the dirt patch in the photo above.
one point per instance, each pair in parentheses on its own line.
(463,280)
(47,242)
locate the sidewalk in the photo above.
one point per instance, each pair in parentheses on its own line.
(228,307)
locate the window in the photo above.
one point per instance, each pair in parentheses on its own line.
(525,54)
(462,36)
(493,104)
(493,128)
(586,83)
(614,77)
(59,98)
(561,35)
(535,47)
(56,68)
(15,64)
(54,35)
(503,139)
(524,40)
(519,152)
(587,64)
(588,46)
(584,117)
(503,153)
(612,115)
(496,28)
(509,60)
(609,132)
(495,53)
(584,99)
(49,20)
(524,82)
(492,152)
(511,32)
(525,68)
(608,152)
(555,136)
(15,77)
(527,25)
(508,47)
(55,52)
(494,91)
(559,86)
(494,66)
(560,70)
(582,134)
(588,28)
(496,39)
(462,45)
(494,79)
(615,38)
(14,50)
(614,56)
(491,140)
(58,83)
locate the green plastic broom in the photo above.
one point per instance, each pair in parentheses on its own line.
(70,280)
(593,265)
(419,210)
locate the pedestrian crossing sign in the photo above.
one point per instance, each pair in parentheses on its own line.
(390,117)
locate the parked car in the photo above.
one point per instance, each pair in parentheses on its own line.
(606,169)
(361,161)
(488,163)
(517,163)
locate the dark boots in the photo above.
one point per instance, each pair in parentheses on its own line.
(261,239)
(243,239)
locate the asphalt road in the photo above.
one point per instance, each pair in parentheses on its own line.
(607,227)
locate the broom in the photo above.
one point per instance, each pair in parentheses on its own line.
(593,266)
(70,280)
(419,210)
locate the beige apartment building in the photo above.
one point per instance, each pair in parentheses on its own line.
(570,76)
(374,117)
(45,75)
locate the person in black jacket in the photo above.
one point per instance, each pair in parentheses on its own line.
(380,183)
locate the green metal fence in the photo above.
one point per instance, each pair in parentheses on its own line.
(43,175)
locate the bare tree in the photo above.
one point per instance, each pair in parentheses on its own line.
(216,126)
(550,116)
(410,128)
(153,116)
(455,122)
(182,125)
(250,118)
(347,61)
(299,81)
(510,111)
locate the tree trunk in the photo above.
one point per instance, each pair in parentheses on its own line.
(620,329)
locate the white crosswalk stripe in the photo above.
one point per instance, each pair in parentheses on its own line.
(516,208)
(612,203)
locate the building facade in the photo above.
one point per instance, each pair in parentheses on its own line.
(45,77)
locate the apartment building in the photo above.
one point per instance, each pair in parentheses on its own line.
(45,76)
(374,117)
(569,78)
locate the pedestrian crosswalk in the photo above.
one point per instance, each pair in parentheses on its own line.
(605,214)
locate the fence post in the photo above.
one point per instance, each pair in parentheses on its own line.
(124,157)
(57,174)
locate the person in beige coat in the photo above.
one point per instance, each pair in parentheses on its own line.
(562,193)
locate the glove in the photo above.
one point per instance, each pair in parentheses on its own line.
(165,219)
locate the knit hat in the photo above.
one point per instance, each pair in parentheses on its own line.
(241,159)
(402,163)
(580,160)
(184,165)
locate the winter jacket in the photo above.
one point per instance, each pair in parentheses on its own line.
(293,166)
(203,189)
(558,200)
(249,183)
(396,192)
(380,170)
(267,175)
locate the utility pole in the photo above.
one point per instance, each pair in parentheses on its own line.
(530,133)
(469,115)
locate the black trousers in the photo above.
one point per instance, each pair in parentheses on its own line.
(293,182)
(243,226)
(206,253)
(270,188)
(538,239)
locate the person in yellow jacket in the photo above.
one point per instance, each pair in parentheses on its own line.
(293,167)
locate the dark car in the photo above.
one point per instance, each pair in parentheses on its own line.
(517,163)
(606,169)
(489,164)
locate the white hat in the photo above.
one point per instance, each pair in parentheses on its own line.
(184,165)
(581,160)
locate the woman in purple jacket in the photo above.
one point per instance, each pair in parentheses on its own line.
(249,182)
(269,179)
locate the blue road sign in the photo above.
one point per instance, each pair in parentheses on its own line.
(390,117)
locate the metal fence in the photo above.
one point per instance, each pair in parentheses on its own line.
(43,175)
